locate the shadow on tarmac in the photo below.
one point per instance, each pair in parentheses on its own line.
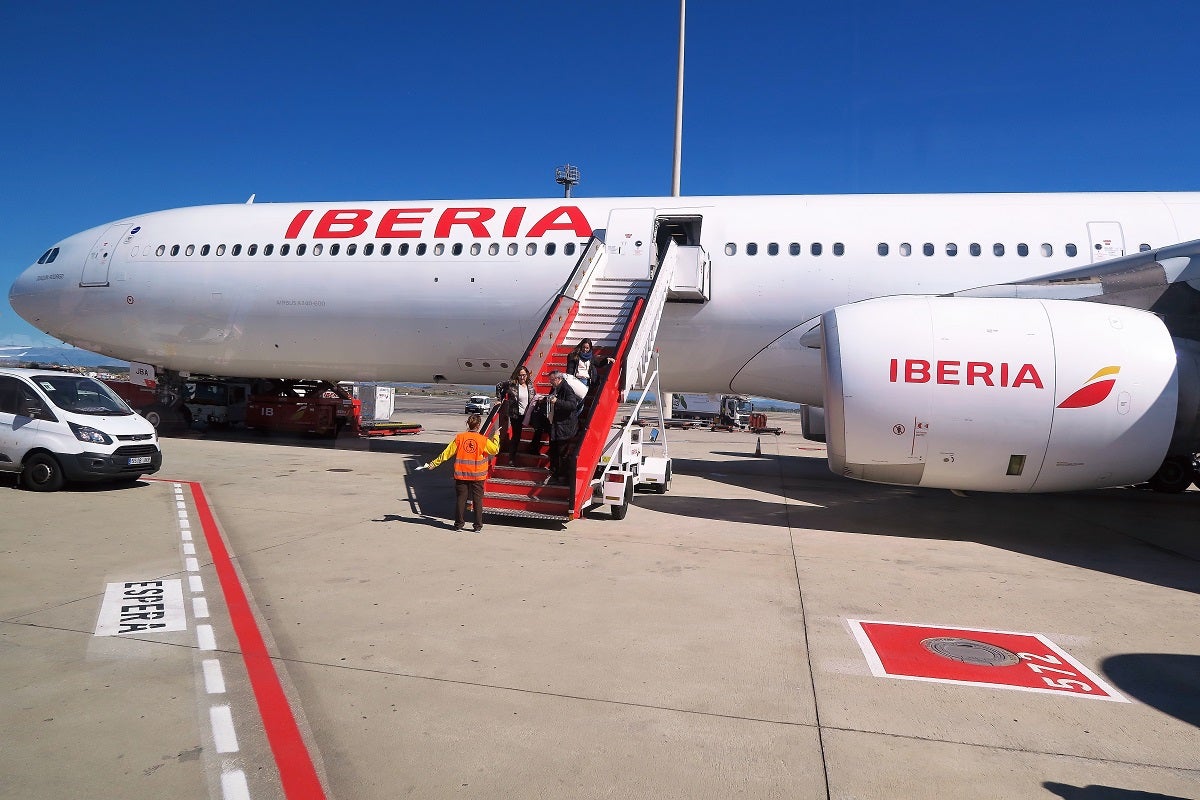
(1169,682)
(1091,530)
(1094,792)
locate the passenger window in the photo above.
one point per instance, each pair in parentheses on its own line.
(385,249)
(162,249)
(531,249)
(421,248)
(475,248)
(191,248)
(300,248)
(403,249)
(268,249)
(1022,249)
(334,248)
(318,248)
(284,249)
(494,249)
(568,249)
(351,248)
(881,248)
(550,248)
(794,249)
(773,249)
(1072,251)
(512,248)
(253,249)
(237,250)
(927,248)
(730,249)
(368,248)
(905,249)
(439,248)
(997,249)
(751,248)
(951,249)
(204,250)
(976,249)
(1047,250)
(221,249)
(815,248)
(174,250)
(839,249)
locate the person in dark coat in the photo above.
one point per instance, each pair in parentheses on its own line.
(561,423)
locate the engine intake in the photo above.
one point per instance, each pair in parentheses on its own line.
(1003,394)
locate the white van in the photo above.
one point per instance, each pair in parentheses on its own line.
(58,426)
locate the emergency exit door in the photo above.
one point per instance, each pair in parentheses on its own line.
(1107,240)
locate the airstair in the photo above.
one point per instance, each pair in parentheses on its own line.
(615,297)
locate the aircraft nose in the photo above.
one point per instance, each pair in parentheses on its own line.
(32,295)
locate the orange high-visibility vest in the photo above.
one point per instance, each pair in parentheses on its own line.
(471,460)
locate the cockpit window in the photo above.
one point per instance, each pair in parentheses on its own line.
(49,256)
(82,395)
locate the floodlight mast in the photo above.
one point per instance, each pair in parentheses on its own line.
(568,176)
(679,104)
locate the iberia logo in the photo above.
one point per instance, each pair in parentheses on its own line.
(1094,390)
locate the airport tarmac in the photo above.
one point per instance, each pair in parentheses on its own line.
(333,637)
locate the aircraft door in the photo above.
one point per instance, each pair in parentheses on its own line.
(95,269)
(1107,240)
(629,243)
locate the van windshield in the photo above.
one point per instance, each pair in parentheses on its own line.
(82,395)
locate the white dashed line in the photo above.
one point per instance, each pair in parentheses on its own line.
(199,607)
(214,679)
(204,634)
(222,727)
(189,549)
(233,785)
(195,584)
(191,565)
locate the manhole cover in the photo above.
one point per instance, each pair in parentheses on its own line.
(969,651)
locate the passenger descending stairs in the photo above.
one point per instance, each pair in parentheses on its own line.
(620,315)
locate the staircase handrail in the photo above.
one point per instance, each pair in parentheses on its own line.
(618,435)
(586,455)
(642,348)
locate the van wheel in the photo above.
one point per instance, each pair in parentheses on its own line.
(42,473)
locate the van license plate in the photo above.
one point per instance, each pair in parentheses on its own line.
(139,460)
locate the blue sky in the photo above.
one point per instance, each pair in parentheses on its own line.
(116,109)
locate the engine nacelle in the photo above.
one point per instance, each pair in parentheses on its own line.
(1000,395)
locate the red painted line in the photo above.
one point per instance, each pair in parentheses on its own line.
(296,770)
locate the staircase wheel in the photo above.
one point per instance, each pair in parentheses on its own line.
(665,486)
(620,511)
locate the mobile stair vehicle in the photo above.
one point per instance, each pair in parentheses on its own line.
(615,297)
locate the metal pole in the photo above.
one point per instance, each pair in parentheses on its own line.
(679,104)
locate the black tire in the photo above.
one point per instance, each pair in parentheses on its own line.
(665,486)
(153,415)
(42,473)
(619,512)
(1173,476)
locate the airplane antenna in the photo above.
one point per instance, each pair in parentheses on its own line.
(679,104)
(568,176)
(251,200)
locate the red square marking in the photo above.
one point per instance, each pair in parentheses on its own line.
(1026,661)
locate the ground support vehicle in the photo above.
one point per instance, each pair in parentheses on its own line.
(218,402)
(758,424)
(388,428)
(59,426)
(303,406)
(728,411)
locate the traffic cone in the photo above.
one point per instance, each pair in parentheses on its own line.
(758,447)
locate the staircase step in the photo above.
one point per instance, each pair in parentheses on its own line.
(501,504)
(522,514)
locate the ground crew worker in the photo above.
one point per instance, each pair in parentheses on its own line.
(470,450)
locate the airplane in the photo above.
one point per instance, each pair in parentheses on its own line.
(991,342)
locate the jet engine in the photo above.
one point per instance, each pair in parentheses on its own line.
(1005,394)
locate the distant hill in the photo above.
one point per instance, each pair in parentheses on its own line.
(62,356)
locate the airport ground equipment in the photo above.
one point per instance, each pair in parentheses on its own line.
(303,406)
(728,411)
(615,297)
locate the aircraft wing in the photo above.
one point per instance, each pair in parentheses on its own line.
(1165,281)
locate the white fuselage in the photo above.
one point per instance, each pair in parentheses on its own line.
(464,284)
